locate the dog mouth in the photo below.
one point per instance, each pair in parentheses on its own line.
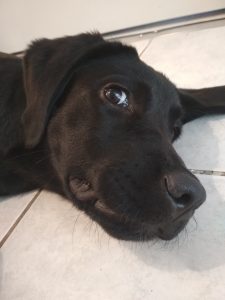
(121,225)
(135,229)
(169,231)
(102,208)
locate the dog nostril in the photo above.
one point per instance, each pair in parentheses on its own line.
(185,191)
(178,193)
(183,200)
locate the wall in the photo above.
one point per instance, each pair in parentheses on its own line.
(24,20)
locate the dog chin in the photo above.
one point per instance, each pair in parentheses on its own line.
(172,231)
(121,226)
(131,232)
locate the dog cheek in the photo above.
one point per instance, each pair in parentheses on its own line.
(56,151)
(54,141)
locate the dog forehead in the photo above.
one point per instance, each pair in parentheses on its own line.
(151,91)
(131,72)
(129,66)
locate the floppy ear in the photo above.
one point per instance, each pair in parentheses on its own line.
(49,66)
(201,102)
(45,64)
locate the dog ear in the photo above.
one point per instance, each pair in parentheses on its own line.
(48,68)
(45,64)
(201,102)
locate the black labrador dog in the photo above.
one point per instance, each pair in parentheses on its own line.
(87,119)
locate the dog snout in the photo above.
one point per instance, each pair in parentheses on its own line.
(185,193)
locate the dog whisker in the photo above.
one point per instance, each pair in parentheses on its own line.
(74,226)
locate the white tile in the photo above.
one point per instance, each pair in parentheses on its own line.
(190,59)
(10,210)
(141,43)
(194,60)
(202,144)
(56,253)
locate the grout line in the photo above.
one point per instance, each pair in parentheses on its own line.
(11,229)
(146,47)
(207,172)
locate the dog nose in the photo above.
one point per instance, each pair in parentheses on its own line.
(186,192)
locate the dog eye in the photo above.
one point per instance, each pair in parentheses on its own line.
(117,96)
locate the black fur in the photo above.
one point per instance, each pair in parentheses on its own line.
(58,131)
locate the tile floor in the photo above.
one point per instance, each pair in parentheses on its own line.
(55,252)
(11,210)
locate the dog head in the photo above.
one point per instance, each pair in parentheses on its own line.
(109,121)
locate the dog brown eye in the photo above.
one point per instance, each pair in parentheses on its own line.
(117,96)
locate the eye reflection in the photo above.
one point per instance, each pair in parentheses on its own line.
(117,96)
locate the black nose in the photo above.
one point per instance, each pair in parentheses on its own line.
(185,191)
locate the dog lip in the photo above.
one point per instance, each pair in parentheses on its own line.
(113,218)
(100,206)
(161,232)
(188,212)
(171,230)
(169,235)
